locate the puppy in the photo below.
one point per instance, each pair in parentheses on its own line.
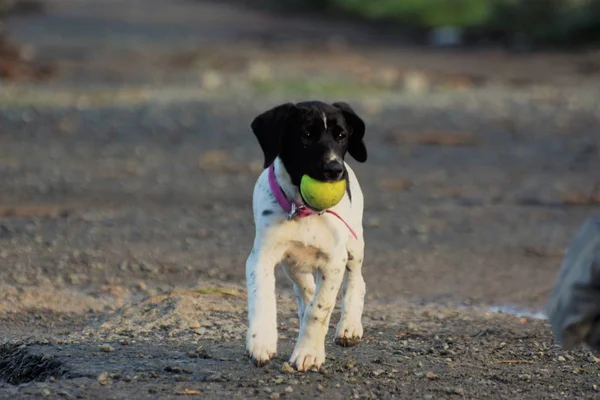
(306,138)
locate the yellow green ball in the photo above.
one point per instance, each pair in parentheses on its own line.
(321,195)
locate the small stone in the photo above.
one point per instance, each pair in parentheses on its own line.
(103,378)
(275,396)
(107,348)
(287,368)
(458,390)
(288,389)
(378,372)
(525,377)
(320,388)
(431,376)
(561,359)
(596,387)
(46,393)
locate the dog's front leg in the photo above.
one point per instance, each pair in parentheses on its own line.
(310,348)
(349,329)
(261,338)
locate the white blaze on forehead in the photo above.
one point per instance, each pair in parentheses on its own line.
(325,120)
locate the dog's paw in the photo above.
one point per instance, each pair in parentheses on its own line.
(348,333)
(305,358)
(261,347)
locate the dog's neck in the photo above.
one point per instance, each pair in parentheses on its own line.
(292,192)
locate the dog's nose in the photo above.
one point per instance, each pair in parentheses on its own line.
(333,170)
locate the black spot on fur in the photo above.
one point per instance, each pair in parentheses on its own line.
(350,257)
(319,306)
(267,212)
(321,255)
(254,335)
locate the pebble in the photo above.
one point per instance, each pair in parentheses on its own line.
(103,378)
(107,348)
(431,376)
(288,389)
(458,390)
(561,359)
(275,396)
(287,368)
(525,377)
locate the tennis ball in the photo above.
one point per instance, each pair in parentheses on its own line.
(321,195)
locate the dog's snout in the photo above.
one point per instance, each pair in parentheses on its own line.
(333,170)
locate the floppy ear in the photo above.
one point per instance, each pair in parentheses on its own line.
(269,128)
(356,145)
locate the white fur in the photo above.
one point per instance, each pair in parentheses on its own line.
(319,244)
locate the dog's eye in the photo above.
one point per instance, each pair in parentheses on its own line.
(309,133)
(339,134)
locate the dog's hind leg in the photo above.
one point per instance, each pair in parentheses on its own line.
(304,287)
(349,329)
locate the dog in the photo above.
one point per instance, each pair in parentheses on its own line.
(310,138)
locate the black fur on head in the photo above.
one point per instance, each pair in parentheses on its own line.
(311,138)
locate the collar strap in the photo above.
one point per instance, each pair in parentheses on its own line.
(297,210)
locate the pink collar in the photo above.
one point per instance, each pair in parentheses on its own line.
(294,210)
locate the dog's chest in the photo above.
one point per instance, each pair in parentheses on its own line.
(310,242)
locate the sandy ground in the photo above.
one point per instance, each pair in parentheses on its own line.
(125,208)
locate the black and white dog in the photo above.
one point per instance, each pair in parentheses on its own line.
(306,138)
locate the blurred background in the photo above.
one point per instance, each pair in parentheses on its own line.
(127,163)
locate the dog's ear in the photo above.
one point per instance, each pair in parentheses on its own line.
(269,128)
(356,145)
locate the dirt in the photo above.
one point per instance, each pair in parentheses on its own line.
(125,207)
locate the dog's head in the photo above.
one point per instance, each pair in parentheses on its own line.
(311,138)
